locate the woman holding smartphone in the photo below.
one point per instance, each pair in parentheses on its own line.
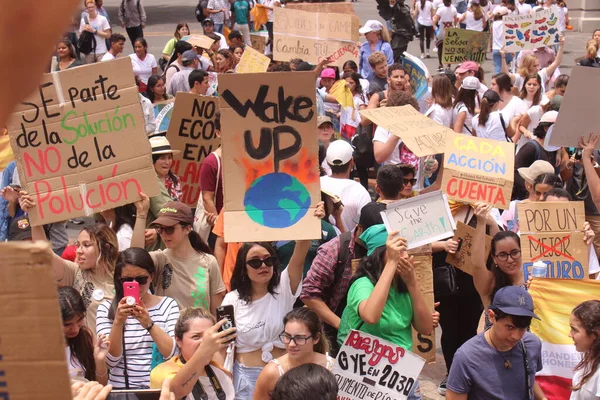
(137,323)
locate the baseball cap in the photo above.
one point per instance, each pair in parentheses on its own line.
(328,73)
(172,213)
(188,56)
(502,10)
(549,117)
(491,96)
(208,21)
(305,66)
(323,119)
(371,25)
(514,300)
(556,102)
(374,237)
(20,229)
(339,153)
(467,66)
(470,83)
(536,169)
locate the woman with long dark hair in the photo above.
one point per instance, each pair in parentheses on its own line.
(143,63)
(585,332)
(465,104)
(511,106)
(156,90)
(225,61)
(488,124)
(441,94)
(65,55)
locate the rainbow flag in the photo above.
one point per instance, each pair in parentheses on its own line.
(554,299)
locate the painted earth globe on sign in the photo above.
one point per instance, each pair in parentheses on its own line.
(276,200)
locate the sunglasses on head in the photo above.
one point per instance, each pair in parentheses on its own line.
(411,181)
(166,229)
(256,263)
(142,280)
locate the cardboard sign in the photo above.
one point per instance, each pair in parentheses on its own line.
(32,345)
(252,62)
(368,367)
(421,219)
(192,131)
(465,45)
(424,345)
(336,8)
(80,142)
(202,41)
(314,36)
(259,42)
(551,232)
(416,69)
(422,135)
(479,170)
(162,115)
(531,31)
(464,235)
(577,116)
(270,156)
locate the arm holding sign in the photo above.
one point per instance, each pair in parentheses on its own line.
(559,56)
(588,146)
(482,277)
(139,229)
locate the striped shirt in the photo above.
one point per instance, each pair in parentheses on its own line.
(138,343)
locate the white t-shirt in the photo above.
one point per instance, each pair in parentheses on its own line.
(447,15)
(441,115)
(353,195)
(492,129)
(260,322)
(124,235)
(424,18)
(107,57)
(436,4)
(76,370)
(472,23)
(497,35)
(382,135)
(270,3)
(562,20)
(524,9)
(591,389)
(143,68)
(100,24)
(514,107)
(460,107)
(543,73)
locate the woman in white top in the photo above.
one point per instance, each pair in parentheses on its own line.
(498,38)
(146,326)
(488,124)
(585,332)
(121,220)
(261,296)
(474,18)
(424,11)
(465,105)
(441,93)
(305,342)
(511,106)
(532,96)
(445,17)
(143,63)
(99,26)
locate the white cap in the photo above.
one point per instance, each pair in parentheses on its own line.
(470,83)
(339,153)
(371,25)
(501,10)
(549,117)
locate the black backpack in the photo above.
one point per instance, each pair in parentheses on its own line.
(201,10)
(87,40)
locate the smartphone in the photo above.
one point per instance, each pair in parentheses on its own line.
(132,289)
(578,154)
(227,313)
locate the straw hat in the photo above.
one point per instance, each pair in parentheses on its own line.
(160,145)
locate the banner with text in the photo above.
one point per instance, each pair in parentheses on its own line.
(531,31)
(464,235)
(368,367)
(192,131)
(80,142)
(465,45)
(270,156)
(252,61)
(314,36)
(418,73)
(336,8)
(552,232)
(478,170)
(162,115)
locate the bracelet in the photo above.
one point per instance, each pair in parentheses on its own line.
(141,216)
(150,327)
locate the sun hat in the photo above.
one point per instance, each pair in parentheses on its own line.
(160,145)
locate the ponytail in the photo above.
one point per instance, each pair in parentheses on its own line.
(423,4)
(484,113)
(198,244)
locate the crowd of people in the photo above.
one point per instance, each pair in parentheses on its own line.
(295,302)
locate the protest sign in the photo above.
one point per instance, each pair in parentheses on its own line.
(192,131)
(202,41)
(420,220)
(422,135)
(252,62)
(531,31)
(259,42)
(416,69)
(578,111)
(465,45)
(315,36)
(553,302)
(80,142)
(336,8)
(551,232)
(368,367)
(270,156)
(162,114)
(464,235)
(478,170)
(32,343)
(424,345)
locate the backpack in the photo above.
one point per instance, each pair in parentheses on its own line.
(201,10)
(164,74)
(87,40)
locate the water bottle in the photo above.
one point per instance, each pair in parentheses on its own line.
(539,270)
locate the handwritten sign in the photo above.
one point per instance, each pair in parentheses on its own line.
(368,367)
(551,232)
(259,42)
(424,345)
(422,135)
(252,62)
(162,115)
(465,45)
(478,170)
(336,8)
(68,139)
(314,36)
(421,219)
(202,41)
(271,158)
(192,131)
(531,31)
(418,73)
(465,235)
(27,293)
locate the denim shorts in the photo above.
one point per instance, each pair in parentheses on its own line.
(244,380)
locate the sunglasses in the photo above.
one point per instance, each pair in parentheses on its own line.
(411,181)
(256,263)
(142,280)
(165,229)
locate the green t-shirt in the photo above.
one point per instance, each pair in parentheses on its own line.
(394,324)
(240,8)
(170,46)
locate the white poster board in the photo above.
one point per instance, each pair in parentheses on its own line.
(421,219)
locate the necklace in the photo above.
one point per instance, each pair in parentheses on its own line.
(507,363)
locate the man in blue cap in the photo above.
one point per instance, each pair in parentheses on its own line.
(500,363)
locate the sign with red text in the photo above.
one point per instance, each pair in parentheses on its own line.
(314,36)
(552,232)
(192,131)
(368,367)
(478,170)
(80,142)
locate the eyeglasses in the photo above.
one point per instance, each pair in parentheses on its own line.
(513,254)
(142,280)
(299,340)
(411,181)
(168,230)
(256,263)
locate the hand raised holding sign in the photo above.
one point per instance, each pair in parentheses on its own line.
(451,246)
(482,211)
(396,247)
(588,145)
(142,206)
(406,270)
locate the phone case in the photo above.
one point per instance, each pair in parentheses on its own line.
(226,312)
(132,289)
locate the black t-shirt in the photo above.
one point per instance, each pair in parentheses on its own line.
(527,155)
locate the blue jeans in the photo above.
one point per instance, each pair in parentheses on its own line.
(244,380)
(219,28)
(498,60)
